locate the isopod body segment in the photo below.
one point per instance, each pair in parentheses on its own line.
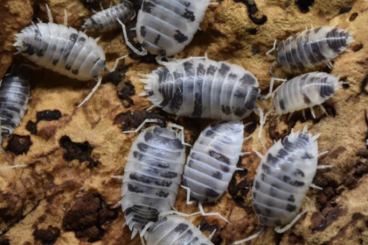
(311,48)
(165,27)
(152,176)
(212,160)
(304,91)
(173,229)
(106,20)
(203,88)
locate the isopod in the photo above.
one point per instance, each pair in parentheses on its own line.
(173,229)
(106,20)
(311,48)
(305,91)
(203,88)
(283,178)
(64,50)
(152,175)
(165,27)
(14,95)
(212,162)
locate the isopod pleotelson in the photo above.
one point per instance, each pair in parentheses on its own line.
(106,20)
(64,50)
(212,161)
(152,176)
(311,48)
(173,229)
(165,27)
(305,91)
(283,179)
(203,88)
(14,95)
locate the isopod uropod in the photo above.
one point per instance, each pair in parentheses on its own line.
(64,50)
(203,88)
(165,27)
(106,20)
(311,48)
(212,162)
(282,180)
(173,229)
(152,175)
(305,91)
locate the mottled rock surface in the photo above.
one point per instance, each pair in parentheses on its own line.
(66,194)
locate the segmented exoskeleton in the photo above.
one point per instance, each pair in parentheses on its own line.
(14,95)
(200,87)
(173,229)
(165,27)
(106,20)
(305,91)
(64,50)
(311,48)
(152,176)
(283,178)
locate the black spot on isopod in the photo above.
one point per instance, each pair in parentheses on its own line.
(266,168)
(219,156)
(68,67)
(226,110)
(79,151)
(271,159)
(217,175)
(157,39)
(306,99)
(81,39)
(134,189)
(75,72)
(257,185)
(55,61)
(73,37)
(162,193)
(189,15)
(304,5)
(299,172)
(40,53)
(147,7)
(282,105)
(291,198)
(211,193)
(19,144)
(180,37)
(181,227)
(30,49)
(143,31)
(290,208)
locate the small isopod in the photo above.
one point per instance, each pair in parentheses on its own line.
(165,27)
(311,48)
(64,50)
(14,95)
(305,91)
(106,20)
(152,175)
(283,178)
(212,162)
(173,229)
(203,88)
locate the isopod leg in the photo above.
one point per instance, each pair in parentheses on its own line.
(49,14)
(287,227)
(313,114)
(141,235)
(141,53)
(272,49)
(212,234)
(14,166)
(117,62)
(92,92)
(322,154)
(210,214)
(324,166)
(65,18)
(140,126)
(315,187)
(272,84)
(323,109)
(251,237)
(187,189)
(181,128)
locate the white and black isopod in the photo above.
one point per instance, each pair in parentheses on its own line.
(165,27)
(283,178)
(152,175)
(311,48)
(64,50)
(203,88)
(106,20)
(305,91)
(173,229)
(212,162)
